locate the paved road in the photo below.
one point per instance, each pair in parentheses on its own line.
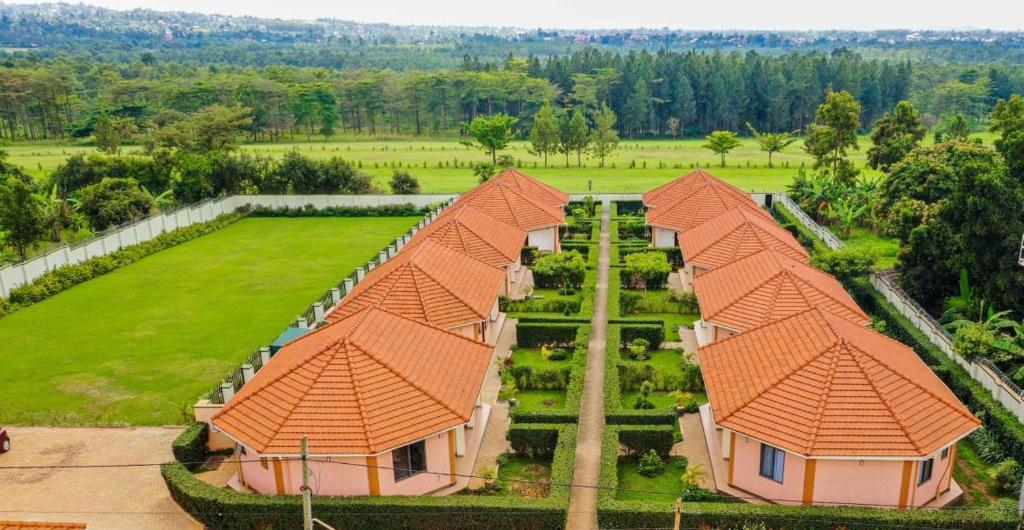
(583,501)
(126,498)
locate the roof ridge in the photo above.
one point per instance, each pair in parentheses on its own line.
(355,390)
(820,410)
(881,396)
(804,282)
(480,236)
(768,388)
(756,286)
(451,292)
(408,381)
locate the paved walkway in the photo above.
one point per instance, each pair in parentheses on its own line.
(494,442)
(583,501)
(126,498)
(695,447)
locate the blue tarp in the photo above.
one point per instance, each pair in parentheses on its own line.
(289,335)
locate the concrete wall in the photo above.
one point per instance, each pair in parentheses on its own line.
(545,239)
(19,274)
(746,473)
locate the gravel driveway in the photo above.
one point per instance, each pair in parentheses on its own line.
(104,498)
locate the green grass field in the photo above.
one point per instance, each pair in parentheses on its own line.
(139,345)
(637,166)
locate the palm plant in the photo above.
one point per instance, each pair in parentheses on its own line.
(846,211)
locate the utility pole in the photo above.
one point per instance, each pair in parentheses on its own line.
(307,494)
(677,525)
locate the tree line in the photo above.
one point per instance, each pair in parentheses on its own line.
(664,94)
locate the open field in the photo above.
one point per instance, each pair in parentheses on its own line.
(140,344)
(637,166)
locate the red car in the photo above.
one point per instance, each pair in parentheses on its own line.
(5,441)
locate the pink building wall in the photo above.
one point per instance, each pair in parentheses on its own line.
(873,482)
(350,475)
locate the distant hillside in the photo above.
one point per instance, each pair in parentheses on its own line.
(123,36)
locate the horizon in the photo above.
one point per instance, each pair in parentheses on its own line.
(650,15)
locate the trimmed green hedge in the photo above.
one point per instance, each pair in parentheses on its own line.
(654,333)
(673,254)
(226,509)
(385,210)
(66,277)
(640,439)
(533,439)
(615,414)
(537,334)
(190,446)
(573,390)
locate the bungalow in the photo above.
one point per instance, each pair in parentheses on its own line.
(434,284)
(503,202)
(817,409)
(762,288)
(540,191)
(474,233)
(690,201)
(384,400)
(733,235)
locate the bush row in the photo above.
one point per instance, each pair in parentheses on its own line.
(384,210)
(533,305)
(573,388)
(638,440)
(226,509)
(615,414)
(189,447)
(654,333)
(620,208)
(534,334)
(64,278)
(674,256)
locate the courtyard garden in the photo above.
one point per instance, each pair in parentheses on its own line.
(139,345)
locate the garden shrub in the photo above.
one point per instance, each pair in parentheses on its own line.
(686,302)
(66,277)
(620,208)
(632,229)
(558,270)
(190,446)
(652,333)
(573,388)
(629,301)
(533,439)
(651,464)
(535,335)
(639,440)
(1008,475)
(534,305)
(672,254)
(643,401)
(648,270)
(384,210)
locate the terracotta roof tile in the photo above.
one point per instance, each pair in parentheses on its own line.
(469,230)
(39,525)
(767,286)
(685,185)
(531,187)
(430,283)
(507,204)
(368,383)
(819,385)
(694,199)
(736,234)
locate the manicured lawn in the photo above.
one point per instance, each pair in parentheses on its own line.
(975,477)
(672,322)
(664,361)
(529,470)
(141,344)
(636,487)
(532,357)
(886,249)
(661,400)
(528,400)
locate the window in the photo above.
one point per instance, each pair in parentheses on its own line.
(925,474)
(409,460)
(772,462)
(945,453)
(263,462)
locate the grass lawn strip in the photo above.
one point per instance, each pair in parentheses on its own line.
(139,345)
(636,487)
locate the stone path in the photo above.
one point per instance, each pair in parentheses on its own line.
(494,442)
(695,447)
(583,501)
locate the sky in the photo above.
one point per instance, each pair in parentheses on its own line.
(618,14)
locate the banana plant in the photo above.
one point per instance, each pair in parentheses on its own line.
(846,211)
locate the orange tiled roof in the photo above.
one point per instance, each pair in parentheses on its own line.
(768,286)
(699,198)
(820,385)
(505,203)
(733,235)
(685,185)
(430,283)
(38,525)
(531,187)
(365,384)
(473,232)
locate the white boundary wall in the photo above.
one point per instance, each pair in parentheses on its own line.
(140,231)
(985,373)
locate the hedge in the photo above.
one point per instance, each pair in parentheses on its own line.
(573,390)
(66,277)
(659,513)
(640,439)
(620,208)
(226,509)
(654,333)
(533,439)
(190,446)
(384,210)
(537,334)
(615,414)
(673,254)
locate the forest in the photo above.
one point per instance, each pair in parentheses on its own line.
(662,94)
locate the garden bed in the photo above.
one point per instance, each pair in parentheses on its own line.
(634,486)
